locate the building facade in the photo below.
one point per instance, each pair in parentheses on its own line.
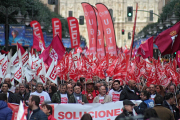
(121,21)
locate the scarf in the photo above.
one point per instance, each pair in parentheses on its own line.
(89,94)
(77,95)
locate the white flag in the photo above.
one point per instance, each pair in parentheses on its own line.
(51,73)
(21,112)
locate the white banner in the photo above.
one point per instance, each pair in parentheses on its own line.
(107,111)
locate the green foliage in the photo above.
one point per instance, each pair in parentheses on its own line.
(36,10)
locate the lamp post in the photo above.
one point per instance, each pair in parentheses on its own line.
(167,23)
(160,25)
(173,18)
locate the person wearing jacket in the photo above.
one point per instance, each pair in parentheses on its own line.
(61,96)
(34,111)
(5,111)
(102,97)
(130,92)
(47,109)
(77,96)
(169,104)
(22,95)
(127,110)
(146,103)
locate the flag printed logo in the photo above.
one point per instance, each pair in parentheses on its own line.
(178,58)
(174,35)
(142,51)
(53,73)
(53,54)
(41,44)
(4,68)
(42,77)
(18,74)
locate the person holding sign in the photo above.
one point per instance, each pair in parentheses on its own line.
(102,97)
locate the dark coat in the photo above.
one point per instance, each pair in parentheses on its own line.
(72,99)
(56,98)
(37,114)
(124,114)
(175,110)
(130,95)
(11,98)
(19,97)
(5,111)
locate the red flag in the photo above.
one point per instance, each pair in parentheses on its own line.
(168,41)
(21,48)
(37,30)
(74,31)
(54,51)
(38,43)
(91,22)
(108,28)
(146,49)
(57,28)
(178,57)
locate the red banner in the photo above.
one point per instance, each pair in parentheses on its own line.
(91,23)
(57,27)
(74,31)
(108,28)
(100,36)
(37,30)
(178,57)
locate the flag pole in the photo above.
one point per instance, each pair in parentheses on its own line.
(134,28)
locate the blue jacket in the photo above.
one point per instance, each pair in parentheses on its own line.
(5,111)
(37,114)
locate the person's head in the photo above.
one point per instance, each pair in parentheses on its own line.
(53,89)
(172,89)
(3,97)
(147,89)
(89,84)
(152,88)
(69,89)
(158,100)
(52,84)
(33,82)
(27,88)
(98,85)
(116,85)
(150,113)
(86,116)
(8,81)
(169,97)
(145,95)
(102,90)
(17,89)
(47,109)
(95,78)
(158,88)
(128,105)
(4,87)
(22,88)
(33,102)
(132,84)
(77,89)
(39,87)
(63,88)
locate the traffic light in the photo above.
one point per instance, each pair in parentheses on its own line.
(122,31)
(81,20)
(129,11)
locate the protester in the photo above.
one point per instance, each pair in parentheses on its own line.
(150,113)
(5,111)
(61,96)
(77,96)
(146,103)
(8,81)
(22,95)
(169,104)
(160,90)
(102,97)
(11,97)
(163,113)
(44,96)
(90,92)
(130,92)
(127,110)
(47,109)
(97,86)
(34,112)
(17,89)
(172,89)
(69,89)
(86,116)
(52,90)
(152,91)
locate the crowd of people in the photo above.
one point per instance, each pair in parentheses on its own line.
(157,101)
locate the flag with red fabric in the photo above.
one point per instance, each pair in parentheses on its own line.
(178,57)
(20,48)
(38,44)
(146,49)
(168,41)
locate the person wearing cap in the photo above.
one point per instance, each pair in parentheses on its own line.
(90,92)
(127,110)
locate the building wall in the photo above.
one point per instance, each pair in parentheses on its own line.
(119,13)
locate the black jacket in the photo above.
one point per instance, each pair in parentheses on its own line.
(11,98)
(124,114)
(37,115)
(24,98)
(141,108)
(130,95)
(175,110)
